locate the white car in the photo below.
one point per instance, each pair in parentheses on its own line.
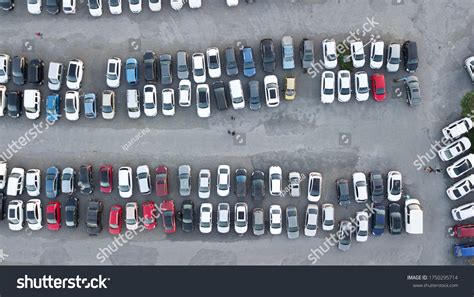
(469,65)
(3,175)
(194,4)
(463,212)
(72,106)
(125,182)
(315,182)
(95,7)
(133,104)
(154,5)
(75,71)
(344,86)
(69,6)
(311,220)
(135,5)
(15,215)
(199,68)
(150,105)
(362,232)
(276,220)
(115,6)
(236,94)
(223,180)
(204,184)
(272,91)
(177,4)
(144,179)
(108,105)
(114,69)
(16,182)
(461,166)
(241,218)
(232,3)
(131,216)
(357,54)
(393,57)
(213,62)
(185,93)
(327,217)
(35,6)
(359,181)
(203,102)
(33,182)
(458,128)
(328,83)
(223,217)
(67,180)
(394,186)
(34,214)
(361,83)
(461,188)
(55,76)
(455,149)
(329,53)
(4,68)
(205,218)
(376,54)
(32,104)
(3,100)
(168,105)
(294,181)
(275,180)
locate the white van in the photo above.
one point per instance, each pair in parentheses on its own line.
(133,103)
(69,6)
(55,75)
(15,182)
(413,217)
(236,94)
(3,174)
(31,102)
(3,100)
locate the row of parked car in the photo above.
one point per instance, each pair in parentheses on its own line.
(463,231)
(65,182)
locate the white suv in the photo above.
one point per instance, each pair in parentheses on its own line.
(463,212)
(457,128)
(32,104)
(16,182)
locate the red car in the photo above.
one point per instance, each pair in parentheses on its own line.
(106,178)
(378,87)
(115,220)
(169,221)
(162,181)
(149,215)
(53,215)
(462,231)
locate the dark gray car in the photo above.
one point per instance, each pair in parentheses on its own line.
(149,59)
(182,68)
(231,62)
(342,186)
(413,90)
(165,68)
(255,99)
(258,185)
(258,222)
(220,95)
(376,187)
(292,228)
(345,229)
(307,53)
(241,183)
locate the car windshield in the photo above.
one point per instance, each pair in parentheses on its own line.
(107,109)
(168,106)
(380,91)
(70,106)
(272,93)
(396,187)
(71,76)
(199,71)
(394,60)
(213,64)
(315,187)
(378,58)
(104,179)
(168,215)
(124,188)
(345,91)
(93,4)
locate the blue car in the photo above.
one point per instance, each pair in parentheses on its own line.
(52,182)
(53,110)
(378,219)
(464,250)
(131,71)
(249,63)
(90,106)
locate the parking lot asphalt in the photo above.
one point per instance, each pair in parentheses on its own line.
(304,135)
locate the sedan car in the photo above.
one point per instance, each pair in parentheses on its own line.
(345,229)
(33,182)
(292,228)
(144,179)
(168,102)
(125,182)
(34,214)
(276,219)
(267,51)
(177,4)
(307,54)
(213,62)
(182,68)
(204,184)
(52,182)
(131,216)
(36,72)
(328,86)
(135,6)
(359,183)
(95,7)
(393,57)
(169,220)
(275,180)
(394,186)
(461,166)
(184,175)
(395,218)
(205,218)
(150,214)
(344,86)
(258,222)
(199,68)
(74,75)
(412,87)
(150,104)
(161,181)
(187,212)
(166,65)
(115,219)
(184,90)
(314,186)
(378,87)
(463,212)
(287,52)
(378,219)
(131,71)
(86,179)
(90,106)
(16,182)
(19,70)
(362,232)
(115,6)
(272,91)
(150,64)
(203,102)
(68,180)
(241,218)
(457,128)
(223,180)
(241,183)
(53,215)
(14,106)
(257,187)
(114,70)
(106,179)
(108,105)
(94,217)
(311,220)
(342,189)
(232,68)
(290,88)
(31,104)
(4,68)
(16,218)
(361,83)
(34,6)
(71,212)
(53,109)
(376,54)
(357,54)
(248,62)
(220,95)
(294,181)
(456,148)
(376,187)
(461,188)
(223,217)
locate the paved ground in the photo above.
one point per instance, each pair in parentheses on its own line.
(303,135)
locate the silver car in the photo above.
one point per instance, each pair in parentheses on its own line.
(144,181)
(345,229)
(258,222)
(292,228)
(223,217)
(184,173)
(67,180)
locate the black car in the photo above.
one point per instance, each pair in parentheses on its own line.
(85,182)
(376,187)
(395,218)
(254,91)
(94,217)
(166,66)
(232,68)
(410,56)
(149,59)
(241,183)
(378,219)
(53,6)
(36,72)
(267,50)
(71,212)
(187,213)
(3,206)
(220,95)
(14,104)
(7,4)
(343,196)
(19,67)
(258,185)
